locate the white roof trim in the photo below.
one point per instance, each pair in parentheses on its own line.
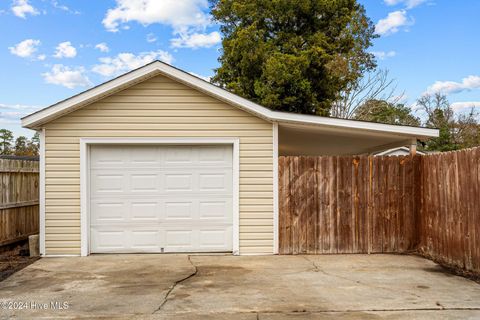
(35,120)
(382,153)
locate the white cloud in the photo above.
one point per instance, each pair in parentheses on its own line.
(65,50)
(180,15)
(124,62)
(460,106)
(21,8)
(70,77)
(393,22)
(382,55)
(41,57)
(151,38)
(197,40)
(12,113)
(447,87)
(408,3)
(103,47)
(26,48)
(59,6)
(200,76)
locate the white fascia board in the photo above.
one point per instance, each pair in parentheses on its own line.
(353,124)
(158,67)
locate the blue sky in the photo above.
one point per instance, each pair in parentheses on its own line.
(52,49)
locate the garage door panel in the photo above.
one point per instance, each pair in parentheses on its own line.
(178,156)
(109,183)
(144,182)
(144,210)
(204,239)
(107,156)
(161,198)
(110,211)
(179,210)
(178,182)
(211,238)
(217,209)
(109,240)
(215,155)
(145,240)
(179,239)
(214,182)
(144,157)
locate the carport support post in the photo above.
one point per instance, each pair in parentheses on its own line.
(413,147)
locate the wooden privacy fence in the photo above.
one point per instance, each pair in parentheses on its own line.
(450,211)
(19,192)
(366,204)
(355,204)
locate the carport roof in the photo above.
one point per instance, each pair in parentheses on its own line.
(37,119)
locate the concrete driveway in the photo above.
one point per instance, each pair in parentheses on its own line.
(227,287)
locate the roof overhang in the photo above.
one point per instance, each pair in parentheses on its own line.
(314,140)
(38,119)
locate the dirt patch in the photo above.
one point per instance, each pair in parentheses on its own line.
(13,259)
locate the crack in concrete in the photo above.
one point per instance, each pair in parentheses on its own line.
(317,268)
(364,310)
(177,282)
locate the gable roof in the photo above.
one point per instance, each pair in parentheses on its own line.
(41,117)
(392,150)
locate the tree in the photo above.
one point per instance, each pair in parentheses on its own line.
(25,147)
(21,146)
(386,112)
(34,145)
(6,141)
(373,86)
(456,132)
(468,129)
(292,55)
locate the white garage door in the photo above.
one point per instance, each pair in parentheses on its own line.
(160,198)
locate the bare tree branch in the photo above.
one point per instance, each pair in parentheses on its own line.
(373,86)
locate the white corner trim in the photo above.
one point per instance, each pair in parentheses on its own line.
(38,118)
(84,199)
(84,178)
(42,192)
(236,197)
(275,189)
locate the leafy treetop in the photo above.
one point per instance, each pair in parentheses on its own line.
(292,55)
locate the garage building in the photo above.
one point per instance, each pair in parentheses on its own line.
(158,160)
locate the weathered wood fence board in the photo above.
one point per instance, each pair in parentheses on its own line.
(19,192)
(450,211)
(366,204)
(347,204)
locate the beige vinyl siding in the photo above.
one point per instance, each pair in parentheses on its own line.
(158,107)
